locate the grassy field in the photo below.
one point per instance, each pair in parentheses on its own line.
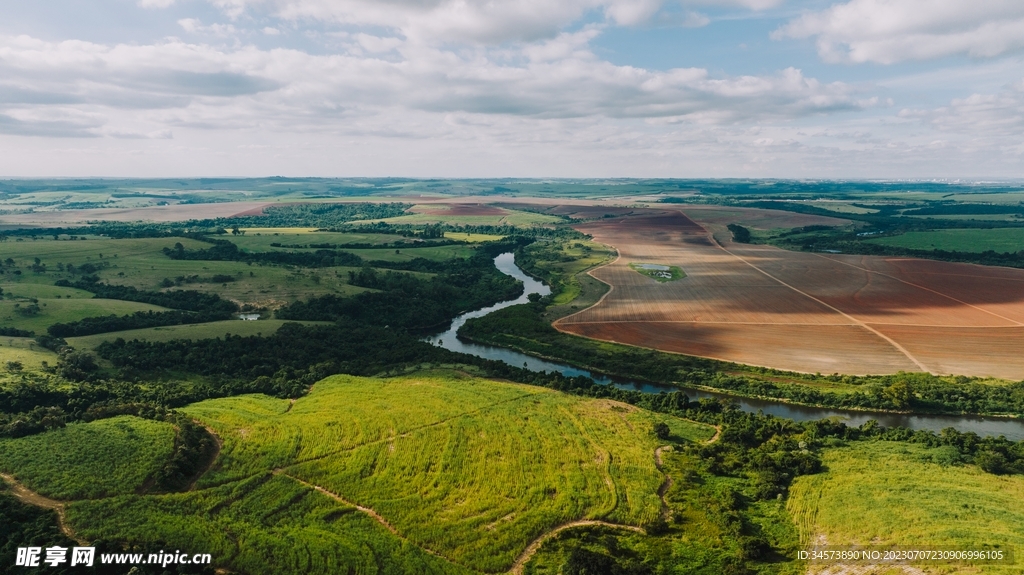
(51,311)
(191,331)
(900,494)
(562,264)
(465,468)
(25,351)
(997,239)
(260,239)
(142,264)
(472,237)
(696,540)
(89,460)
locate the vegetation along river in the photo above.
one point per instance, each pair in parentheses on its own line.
(1013,429)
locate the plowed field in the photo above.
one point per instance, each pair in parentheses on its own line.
(798,311)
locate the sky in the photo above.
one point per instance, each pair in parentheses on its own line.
(875,89)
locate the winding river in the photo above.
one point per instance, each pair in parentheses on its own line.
(1013,429)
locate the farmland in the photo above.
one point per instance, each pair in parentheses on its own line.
(759,305)
(89,460)
(460,473)
(188,331)
(886,493)
(974,240)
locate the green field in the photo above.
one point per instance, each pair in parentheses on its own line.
(466,237)
(260,239)
(190,331)
(142,264)
(24,350)
(51,311)
(902,494)
(562,265)
(965,240)
(89,460)
(469,469)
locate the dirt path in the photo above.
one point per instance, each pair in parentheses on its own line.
(376,516)
(29,497)
(534,546)
(218,443)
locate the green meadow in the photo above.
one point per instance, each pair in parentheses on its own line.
(36,317)
(961,240)
(89,460)
(195,331)
(460,473)
(889,493)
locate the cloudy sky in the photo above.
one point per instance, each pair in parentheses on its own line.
(538,88)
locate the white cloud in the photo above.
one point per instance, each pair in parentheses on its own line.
(155,3)
(194,26)
(999,115)
(888,31)
(177,83)
(478,21)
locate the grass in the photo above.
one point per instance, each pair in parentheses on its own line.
(191,331)
(142,264)
(261,240)
(53,311)
(897,494)
(563,266)
(439,253)
(963,240)
(467,468)
(89,460)
(668,274)
(26,351)
(697,539)
(472,237)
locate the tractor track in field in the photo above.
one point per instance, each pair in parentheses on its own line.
(29,497)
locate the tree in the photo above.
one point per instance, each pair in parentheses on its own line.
(661,430)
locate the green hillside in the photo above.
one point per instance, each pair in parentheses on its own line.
(450,474)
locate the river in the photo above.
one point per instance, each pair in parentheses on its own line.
(1013,429)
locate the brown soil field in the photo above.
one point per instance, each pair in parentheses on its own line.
(798,311)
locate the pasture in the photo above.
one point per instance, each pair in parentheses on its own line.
(208,330)
(103,458)
(141,263)
(799,311)
(36,317)
(966,240)
(25,351)
(442,471)
(884,493)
